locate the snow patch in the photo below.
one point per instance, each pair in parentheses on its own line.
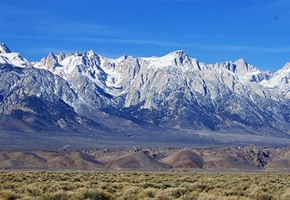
(13,59)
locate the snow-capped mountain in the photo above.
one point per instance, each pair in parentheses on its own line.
(280,81)
(89,91)
(6,56)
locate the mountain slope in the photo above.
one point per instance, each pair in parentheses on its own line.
(176,91)
(35,99)
(84,91)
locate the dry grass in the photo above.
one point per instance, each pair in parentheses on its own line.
(143,185)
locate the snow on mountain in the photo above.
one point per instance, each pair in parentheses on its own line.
(96,68)
(7,57)
(281,78)
(4,48)
(280,82)
(174,59)
(135,77)
(33,100)
(172,91)
(125,74)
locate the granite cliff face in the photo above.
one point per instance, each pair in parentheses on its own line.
(85,91)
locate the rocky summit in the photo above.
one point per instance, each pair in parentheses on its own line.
(173,98)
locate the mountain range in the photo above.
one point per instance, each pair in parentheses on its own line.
(173,98)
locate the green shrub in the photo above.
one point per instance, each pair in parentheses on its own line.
(131,193)
(148,193)
(61,195)
(286,195)
(7,195)
(95,194)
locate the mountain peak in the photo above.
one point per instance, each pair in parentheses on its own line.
(90,53)
(281,78)
(4,48)
(240,61)
(76,53)
(61,56)
(242,67)
(178,53)
(50,61)
(286,67)
(50,54)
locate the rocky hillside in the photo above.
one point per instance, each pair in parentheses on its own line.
(246,158)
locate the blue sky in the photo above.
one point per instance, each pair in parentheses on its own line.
(210,30)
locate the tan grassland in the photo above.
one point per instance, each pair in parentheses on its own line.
(45,185)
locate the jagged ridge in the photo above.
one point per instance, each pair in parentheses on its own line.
(173,91)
